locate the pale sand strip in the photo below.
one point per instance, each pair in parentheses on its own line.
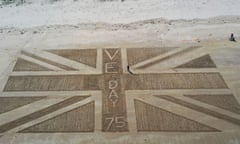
(60,60)
(162,57)
(28,109)
(208,106)
(51,115)
(49,66)
(189,113)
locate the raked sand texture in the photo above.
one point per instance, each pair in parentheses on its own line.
(100,97)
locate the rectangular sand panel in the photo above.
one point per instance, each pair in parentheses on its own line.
(174,81)
(52,83)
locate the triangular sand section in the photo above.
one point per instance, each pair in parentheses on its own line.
(80,119)
(112,51)
(136,55)
(151,118)
(11,103)
(85,56)
(23,65)
(227,102)
(201,62)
